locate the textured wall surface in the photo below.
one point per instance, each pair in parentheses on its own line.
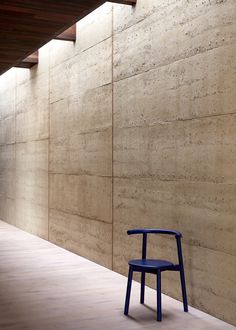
(134,125)
(80,144)
(175,141)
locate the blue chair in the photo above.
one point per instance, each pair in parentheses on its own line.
(155,266)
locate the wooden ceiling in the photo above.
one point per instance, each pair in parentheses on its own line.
(27,25)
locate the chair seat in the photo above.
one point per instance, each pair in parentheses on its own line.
(150,264)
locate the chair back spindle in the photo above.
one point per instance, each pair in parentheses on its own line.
(179,251)
(144,247)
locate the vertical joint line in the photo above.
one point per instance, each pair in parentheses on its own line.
(112,134)
(49,109)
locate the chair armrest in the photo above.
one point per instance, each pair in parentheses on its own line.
(154,231)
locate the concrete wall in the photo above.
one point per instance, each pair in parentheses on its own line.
(134,125)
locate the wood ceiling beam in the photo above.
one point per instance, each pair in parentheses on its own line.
(29,61)
(68,35)
(125,2)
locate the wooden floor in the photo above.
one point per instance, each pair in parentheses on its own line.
(45,287)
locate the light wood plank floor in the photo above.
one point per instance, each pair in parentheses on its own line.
(44,287)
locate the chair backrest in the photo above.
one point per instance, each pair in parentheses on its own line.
(145,232)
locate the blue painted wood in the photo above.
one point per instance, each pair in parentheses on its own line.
(182,276)
(154,231)
(159,312)
(155,266)
(128,292)
(150,263)
(142,293)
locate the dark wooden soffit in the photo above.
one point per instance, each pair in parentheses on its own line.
(125,2)
(27,25)
(29,61)
(68,35)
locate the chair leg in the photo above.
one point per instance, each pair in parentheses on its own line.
(129,284)
(183,286)
(159,312)
(142,288)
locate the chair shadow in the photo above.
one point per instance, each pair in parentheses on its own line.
(147,317)
(150,308)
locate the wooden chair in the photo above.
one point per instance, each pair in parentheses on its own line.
(155,266)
